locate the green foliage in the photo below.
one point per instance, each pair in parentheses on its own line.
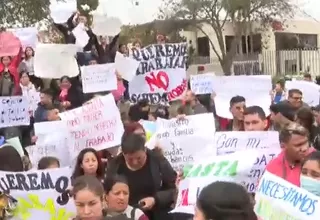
(147,33)
(24,13)
(93,4)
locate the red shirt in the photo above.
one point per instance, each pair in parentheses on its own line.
(280,167)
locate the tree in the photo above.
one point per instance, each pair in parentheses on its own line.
(148,32)
(24,13)
(217,13)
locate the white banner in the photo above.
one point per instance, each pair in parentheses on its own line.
(97,125)
(39,193)
(202,83)
(161,75)
(56,60)
(98,78)
(14,111)
(279,199)
(254,89)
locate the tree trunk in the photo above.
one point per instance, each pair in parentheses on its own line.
(226,65)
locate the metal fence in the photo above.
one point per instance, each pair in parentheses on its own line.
(282,62)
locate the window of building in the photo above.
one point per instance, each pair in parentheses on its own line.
(203,46)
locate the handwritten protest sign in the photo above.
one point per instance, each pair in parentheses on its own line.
(233,167)
(161,75)
(56,60)
(39,193)
(279,199)
(98,78)
(52,141)
(202,83)
(255,93)
(60,11)
(267,142)
(229,142)
(179,138)
(97,125)
(14,111)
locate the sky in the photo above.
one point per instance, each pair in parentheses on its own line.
(128,12)
(146,11)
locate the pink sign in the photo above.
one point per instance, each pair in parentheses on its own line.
(9,44)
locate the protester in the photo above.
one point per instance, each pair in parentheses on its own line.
(193,103)
(119,92)
(9,78)
(310,173)
(213,203)
(307,77)
(282,114)
(294,142)
(295,99)
(48,163)
(106,52)
(47,110)
(88,163)
(305,117)
(117,198)
(27,87)
(156,193)
(278,94)
(254,119)
(123,49)
(69,96)
(237,106)
(66,29)
(139,111)
(27,65)
(88,195)
(10,159)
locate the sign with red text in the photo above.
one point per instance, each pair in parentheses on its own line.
(161,75)
(96,125)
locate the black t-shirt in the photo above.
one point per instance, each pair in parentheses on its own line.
(140,182)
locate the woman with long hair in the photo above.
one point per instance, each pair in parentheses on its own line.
(88,163)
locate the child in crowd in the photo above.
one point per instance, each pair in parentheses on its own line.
(48,163)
